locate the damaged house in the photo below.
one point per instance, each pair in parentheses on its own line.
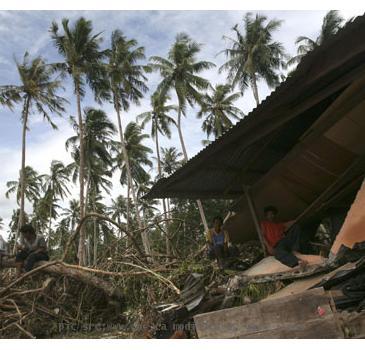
(303,151)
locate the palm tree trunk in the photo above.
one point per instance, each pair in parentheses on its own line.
(81,249)
(255,90)
(128,205)
(199,203)
(95,237)
(168,247)
(181,135)
(22,171)
(49,222)
(144,236)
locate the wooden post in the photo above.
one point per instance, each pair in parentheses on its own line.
(255,219)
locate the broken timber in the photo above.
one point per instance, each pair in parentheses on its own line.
(308,315)
(240,281)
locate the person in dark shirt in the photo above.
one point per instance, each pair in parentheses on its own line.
(33,249)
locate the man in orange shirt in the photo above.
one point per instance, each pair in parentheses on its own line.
(281,239)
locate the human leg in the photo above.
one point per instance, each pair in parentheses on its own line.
(20,257)
(33,258)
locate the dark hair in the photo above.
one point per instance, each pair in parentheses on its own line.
(218,218)
(270,208)
(27,228)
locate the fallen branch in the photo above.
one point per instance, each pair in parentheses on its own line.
(58,267)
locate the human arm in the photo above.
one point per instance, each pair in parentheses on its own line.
(41,246)
(288,224)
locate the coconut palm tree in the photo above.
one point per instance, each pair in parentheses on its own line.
(118,209)
(332,22)
(127,83)
(32,183)
(71,214)
(80,48)
(98,131)
(138,159)
(160,124)
(70,217)
(180,72)
(160,121)
(38,93)
(55,187)
(254,55)
(218,109)
(98,161)
(171,160)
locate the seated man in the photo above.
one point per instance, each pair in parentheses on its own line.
(217,241)
(281,239)
(33,250)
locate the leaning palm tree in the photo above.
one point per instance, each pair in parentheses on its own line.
(332,22)
(38,93)
(218,109)
(127,83)
(160,124)
(180,73)
(254,55)
(80,49)
(55,187)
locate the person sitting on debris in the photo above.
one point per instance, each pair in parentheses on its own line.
(282,240)
(217,240)
(34,249)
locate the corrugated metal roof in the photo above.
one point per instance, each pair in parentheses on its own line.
(249,149)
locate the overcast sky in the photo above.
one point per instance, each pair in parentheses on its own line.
(155,30)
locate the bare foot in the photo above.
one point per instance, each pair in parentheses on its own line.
(303,264)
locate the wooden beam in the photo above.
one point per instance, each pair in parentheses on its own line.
(358,163)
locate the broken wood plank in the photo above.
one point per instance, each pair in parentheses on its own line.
(270,265)
(307,283)
(267,316)
(323,328)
